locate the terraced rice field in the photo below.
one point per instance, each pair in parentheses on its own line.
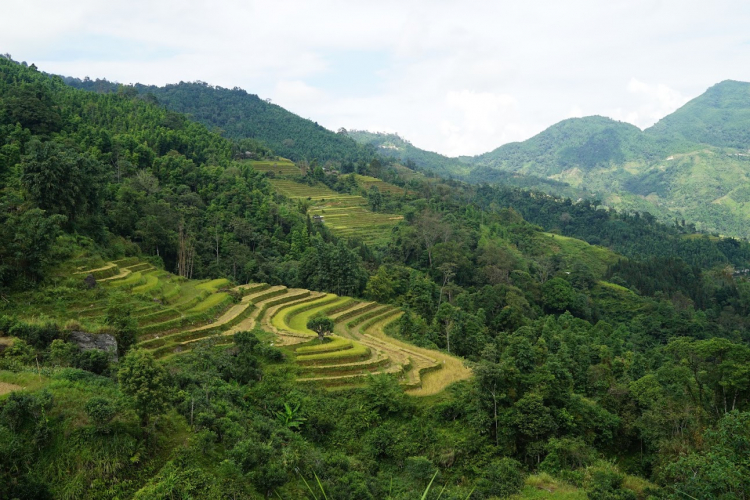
(174,314)
(384,187)
(360,347)
(346,215)
(282,166)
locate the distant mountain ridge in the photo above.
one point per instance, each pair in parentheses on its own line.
(691,165)
(239,115)
(694,164)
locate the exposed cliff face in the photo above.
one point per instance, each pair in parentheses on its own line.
(103,342)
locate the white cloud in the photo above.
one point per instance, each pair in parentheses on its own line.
(458,77)
(656,101)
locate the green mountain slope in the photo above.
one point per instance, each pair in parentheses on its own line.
(685,167)
(397,147)
(719,117)
(404,151)
(241,115)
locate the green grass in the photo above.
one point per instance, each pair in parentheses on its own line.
(152,282)
(335,343)
(357,352)
(542,486)
(135,278)
(345,215)
(298,321)
(285,317)
(213,285)
(373,313)
(210,302)
(282,166)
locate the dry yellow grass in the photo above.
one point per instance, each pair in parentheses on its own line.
(6,388)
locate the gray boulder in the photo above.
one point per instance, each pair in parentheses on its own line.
(103,342)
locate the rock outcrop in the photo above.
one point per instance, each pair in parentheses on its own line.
(103,342)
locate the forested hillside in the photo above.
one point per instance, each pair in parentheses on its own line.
(720,117)
(239,115)
(174,326)
(691,165)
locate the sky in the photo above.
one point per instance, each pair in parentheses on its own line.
(456,77)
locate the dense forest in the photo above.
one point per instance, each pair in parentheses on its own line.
(609,350)
(239,115)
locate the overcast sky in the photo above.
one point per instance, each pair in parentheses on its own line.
(456,77)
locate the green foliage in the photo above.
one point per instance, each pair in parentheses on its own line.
(500,478)
(286,133)
(142,380)
(557,295)
(100,410)
(321,325)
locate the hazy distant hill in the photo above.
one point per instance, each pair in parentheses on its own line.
(691,165)
(397,147)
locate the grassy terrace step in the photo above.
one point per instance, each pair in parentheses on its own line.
(297,321)
(239,317)
(139,267)
(271,308)
(213,285)
(363,307)
(252,288)
(380,318)
(357,352)
(268,293)
(135,279)
(201,313)
(124,273)
(278,167)
(433,380)
(350,379)
(336,343)
(285,316)
(187,297)
(230,318)
(126,261)
(371,365)
(158,317)
(152,282)
(372,313)
(106,271)
(341,307)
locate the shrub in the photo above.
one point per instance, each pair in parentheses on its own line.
(606,484)
(500,478)
(94,361)
(420,469)
(62,353)
(100,410)
(39,335)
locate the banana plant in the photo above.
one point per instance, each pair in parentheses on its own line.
(290,417)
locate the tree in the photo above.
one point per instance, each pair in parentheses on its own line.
(143,380)
(321,325)
(375,199)
(61,180)
(431,230)
(558,295)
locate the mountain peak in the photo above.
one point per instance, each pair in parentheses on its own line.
(719,117)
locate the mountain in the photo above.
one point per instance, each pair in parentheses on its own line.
(691,165)
(720,117)
(238,114)
(584,143)
(397,147)
(483,341)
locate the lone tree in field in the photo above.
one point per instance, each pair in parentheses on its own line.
(321,325)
